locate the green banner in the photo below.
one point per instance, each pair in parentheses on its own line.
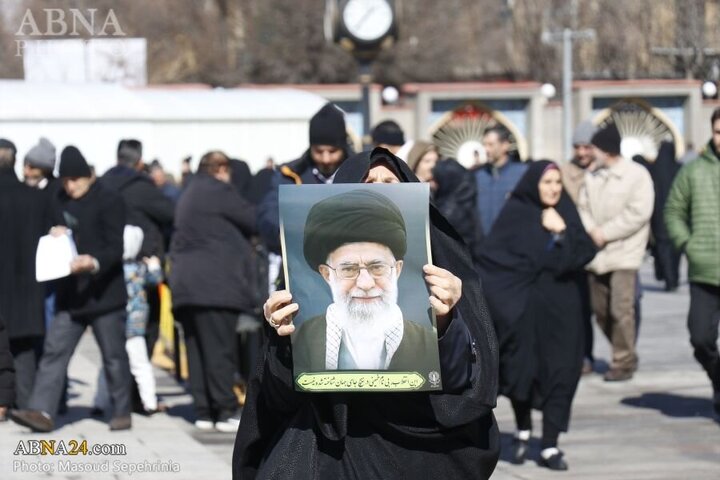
(359,381)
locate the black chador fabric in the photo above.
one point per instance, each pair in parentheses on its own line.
(663,171)
(532,282)
(667,258)
(25,216)
(288,434)
(7,371)
(455,198)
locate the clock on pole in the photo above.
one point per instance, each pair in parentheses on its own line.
(364,28)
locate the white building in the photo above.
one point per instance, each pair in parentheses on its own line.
(172,122)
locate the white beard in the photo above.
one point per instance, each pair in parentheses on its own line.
(365,328)
(363,314)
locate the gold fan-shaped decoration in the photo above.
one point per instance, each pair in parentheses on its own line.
(458,134)
(642,128)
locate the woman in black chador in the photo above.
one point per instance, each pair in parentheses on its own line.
(532,269)
(446,434)
(667,258)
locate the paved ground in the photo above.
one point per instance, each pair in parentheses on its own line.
(166,445)
(657,426)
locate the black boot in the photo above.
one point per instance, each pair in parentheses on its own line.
(554,462)
(519,451)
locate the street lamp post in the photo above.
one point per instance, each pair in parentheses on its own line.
(365,79)
(566,36)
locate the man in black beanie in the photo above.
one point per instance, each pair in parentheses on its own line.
(328,149)
(93,295)
(356,241)
(607,140)
(388,134)
(615,204)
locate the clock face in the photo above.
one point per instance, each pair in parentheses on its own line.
(367,20)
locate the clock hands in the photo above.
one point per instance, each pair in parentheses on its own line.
(365,16)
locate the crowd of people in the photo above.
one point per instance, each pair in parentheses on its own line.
(525,253)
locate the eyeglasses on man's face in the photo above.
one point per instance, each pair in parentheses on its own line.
(351,271)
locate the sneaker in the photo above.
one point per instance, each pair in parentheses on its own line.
(229,425)
(518,451)
(204,425)
(35,420)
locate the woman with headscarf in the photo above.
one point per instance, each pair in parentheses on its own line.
(448,434)
(532,268)
(421,159)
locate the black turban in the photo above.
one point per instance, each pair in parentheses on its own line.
(355,216)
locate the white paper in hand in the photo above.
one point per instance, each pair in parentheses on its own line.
(53,257)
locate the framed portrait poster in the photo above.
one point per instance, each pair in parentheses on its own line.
(353,256)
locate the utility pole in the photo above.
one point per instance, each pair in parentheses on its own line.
(365,78)
(566,36)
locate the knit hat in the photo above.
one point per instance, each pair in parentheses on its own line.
(42,155)
(584,133)
(73,164)
(388,133)
(327,127)
(608,139)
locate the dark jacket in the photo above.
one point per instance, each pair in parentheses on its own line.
(147,207)
(240,176)
(494,186)
(53,188)
(7,371)
(456,198)
(297,172)
(97,221)
(260,185)
(24,217)
(211,255)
